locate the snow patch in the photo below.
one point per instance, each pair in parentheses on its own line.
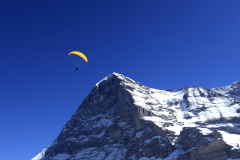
(103,123)
(40,155)
(231,139)
(138,134)
(149,140)
(205,131)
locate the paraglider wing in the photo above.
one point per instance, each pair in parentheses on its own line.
(79,54)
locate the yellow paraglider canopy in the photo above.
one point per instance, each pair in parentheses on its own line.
(79,54)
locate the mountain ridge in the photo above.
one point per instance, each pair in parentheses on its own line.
(123,119)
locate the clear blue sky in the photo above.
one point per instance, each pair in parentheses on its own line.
(163,44)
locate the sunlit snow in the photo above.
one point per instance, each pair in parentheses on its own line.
(231,139)
(40,155)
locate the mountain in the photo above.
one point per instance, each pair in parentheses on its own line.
(123,119)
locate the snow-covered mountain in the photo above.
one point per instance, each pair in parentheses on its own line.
(123,119)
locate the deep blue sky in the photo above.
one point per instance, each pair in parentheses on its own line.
(163,44)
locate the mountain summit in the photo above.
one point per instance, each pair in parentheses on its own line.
(123,119)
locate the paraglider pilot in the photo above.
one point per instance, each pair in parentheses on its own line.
(80,55)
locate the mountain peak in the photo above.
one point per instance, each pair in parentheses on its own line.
(232,90)
(236,84)
(114,75)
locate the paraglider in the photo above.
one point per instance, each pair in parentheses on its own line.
(76,58)
(79,54)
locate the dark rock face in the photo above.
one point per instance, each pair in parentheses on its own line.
(201,147)
(122,119)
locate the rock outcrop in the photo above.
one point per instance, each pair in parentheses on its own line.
(201,147)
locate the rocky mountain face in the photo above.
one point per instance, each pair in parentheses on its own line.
(124,120)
